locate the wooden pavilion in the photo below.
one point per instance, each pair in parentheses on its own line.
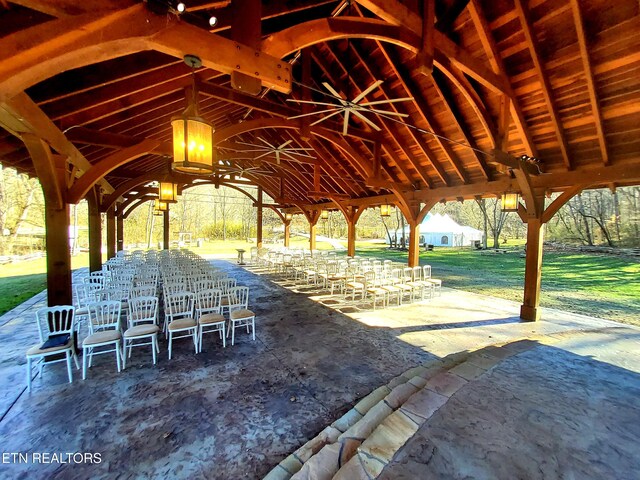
(474,98)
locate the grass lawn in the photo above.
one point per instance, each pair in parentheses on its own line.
(603,286)
(21,281)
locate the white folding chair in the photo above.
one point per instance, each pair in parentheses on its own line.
(239,313)
(208,314)
(56,338)
(142,319)
(104,331)
(179,318)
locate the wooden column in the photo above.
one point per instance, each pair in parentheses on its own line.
(351,238)
(51,171)
(95,232)
(287,232)
(111,233)
(119,232)
(165,230)
(259,220)
(414,244)
(312,236)
(58,255)
(533,271)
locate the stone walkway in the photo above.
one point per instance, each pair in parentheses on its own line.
(237,412)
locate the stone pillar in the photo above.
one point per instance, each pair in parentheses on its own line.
(533,271)
(95,232)
(111,233)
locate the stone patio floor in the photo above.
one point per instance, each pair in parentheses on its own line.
(236,412)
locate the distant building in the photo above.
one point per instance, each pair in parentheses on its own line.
(441,231)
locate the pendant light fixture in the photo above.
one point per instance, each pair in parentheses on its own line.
(192,135)
(509,202)
(159,207)
(168,192)
(385,210)
(324,215)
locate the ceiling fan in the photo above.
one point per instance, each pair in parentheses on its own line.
(348,107)
(240,169)
(282,151)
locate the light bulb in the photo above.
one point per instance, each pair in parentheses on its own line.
(181,7)
(213,21)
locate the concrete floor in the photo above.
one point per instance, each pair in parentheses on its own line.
(236,412)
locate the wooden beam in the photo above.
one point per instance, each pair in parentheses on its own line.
(424,58)
(95,231)
(98,171)
(545,85)
(67,8)
(560,201)
(458,120)
(423,109)
(50,170)
(588,72)
(246,27)
(396,13)
(35,54)
(495,60)
(19,115)
(529,310)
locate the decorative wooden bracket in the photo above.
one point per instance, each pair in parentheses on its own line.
(424,58)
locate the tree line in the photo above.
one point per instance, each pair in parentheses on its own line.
(596,217)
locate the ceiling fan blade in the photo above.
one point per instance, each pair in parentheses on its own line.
(278,157)
(388,112)
(365,119)
(266,143)
(264,154)
(298,148)
(289,152)
(334,93)
(363,94)
(317,112)
(285,144)
(324,118)
(311,102)
(345,124)
(393,100)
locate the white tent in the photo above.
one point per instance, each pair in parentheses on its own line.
(442,231)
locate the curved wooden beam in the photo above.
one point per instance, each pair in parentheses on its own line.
(309,33)
(35,54)
(134,202)
(84,184)
(402,34)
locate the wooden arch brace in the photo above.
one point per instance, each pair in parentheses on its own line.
(84,184)
(35,54)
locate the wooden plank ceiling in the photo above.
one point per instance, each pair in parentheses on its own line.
(553,79)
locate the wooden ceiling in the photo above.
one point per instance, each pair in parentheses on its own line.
(557,80)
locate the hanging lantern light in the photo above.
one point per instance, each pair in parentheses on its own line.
(324,215)
(509,202)
(288,216)
(385,210)
(159,207)
(168,192)
(192,135)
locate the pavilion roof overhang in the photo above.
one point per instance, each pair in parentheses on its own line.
(98,86)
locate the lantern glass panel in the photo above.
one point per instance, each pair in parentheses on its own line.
(168,192)
(192,146)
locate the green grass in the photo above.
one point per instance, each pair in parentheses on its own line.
(21,281)
(602,286)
